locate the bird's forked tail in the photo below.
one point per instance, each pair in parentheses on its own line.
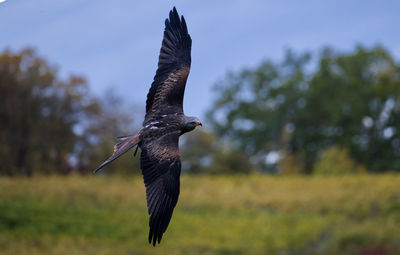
(125,144)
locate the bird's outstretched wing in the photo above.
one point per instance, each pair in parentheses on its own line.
(161,168)
(168,87)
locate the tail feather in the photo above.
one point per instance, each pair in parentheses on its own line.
(123,137)
(125,144)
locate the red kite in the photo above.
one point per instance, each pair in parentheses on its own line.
(163,124)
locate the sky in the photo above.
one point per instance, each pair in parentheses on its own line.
(115,44)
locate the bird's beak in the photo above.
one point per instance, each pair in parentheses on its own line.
(198,123)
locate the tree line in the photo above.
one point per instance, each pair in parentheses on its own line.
(333,113)
(321,113)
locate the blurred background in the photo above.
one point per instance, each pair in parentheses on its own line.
(300,150)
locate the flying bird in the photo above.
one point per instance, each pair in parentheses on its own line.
(163,124)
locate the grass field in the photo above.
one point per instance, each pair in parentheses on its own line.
(253,214)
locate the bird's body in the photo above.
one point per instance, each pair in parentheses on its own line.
(164,123)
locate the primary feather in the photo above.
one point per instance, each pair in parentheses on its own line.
(174,61)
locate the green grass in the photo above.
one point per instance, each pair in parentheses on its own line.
(215,215)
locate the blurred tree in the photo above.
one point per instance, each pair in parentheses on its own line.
(349,100)
(289,164)
(52,126)
(116,119)
(253,107)
(353,101)
(202,152)
(37,114)
(337,161)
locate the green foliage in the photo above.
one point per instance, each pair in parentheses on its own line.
(337,161)
(352,102)
(202,152)
(290,164)
(239,214)
(349,100)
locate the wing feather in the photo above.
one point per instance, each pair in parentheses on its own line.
(174,61)
(161,167)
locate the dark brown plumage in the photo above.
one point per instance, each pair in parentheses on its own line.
(163,124)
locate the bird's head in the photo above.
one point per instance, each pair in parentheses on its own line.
(190,124)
